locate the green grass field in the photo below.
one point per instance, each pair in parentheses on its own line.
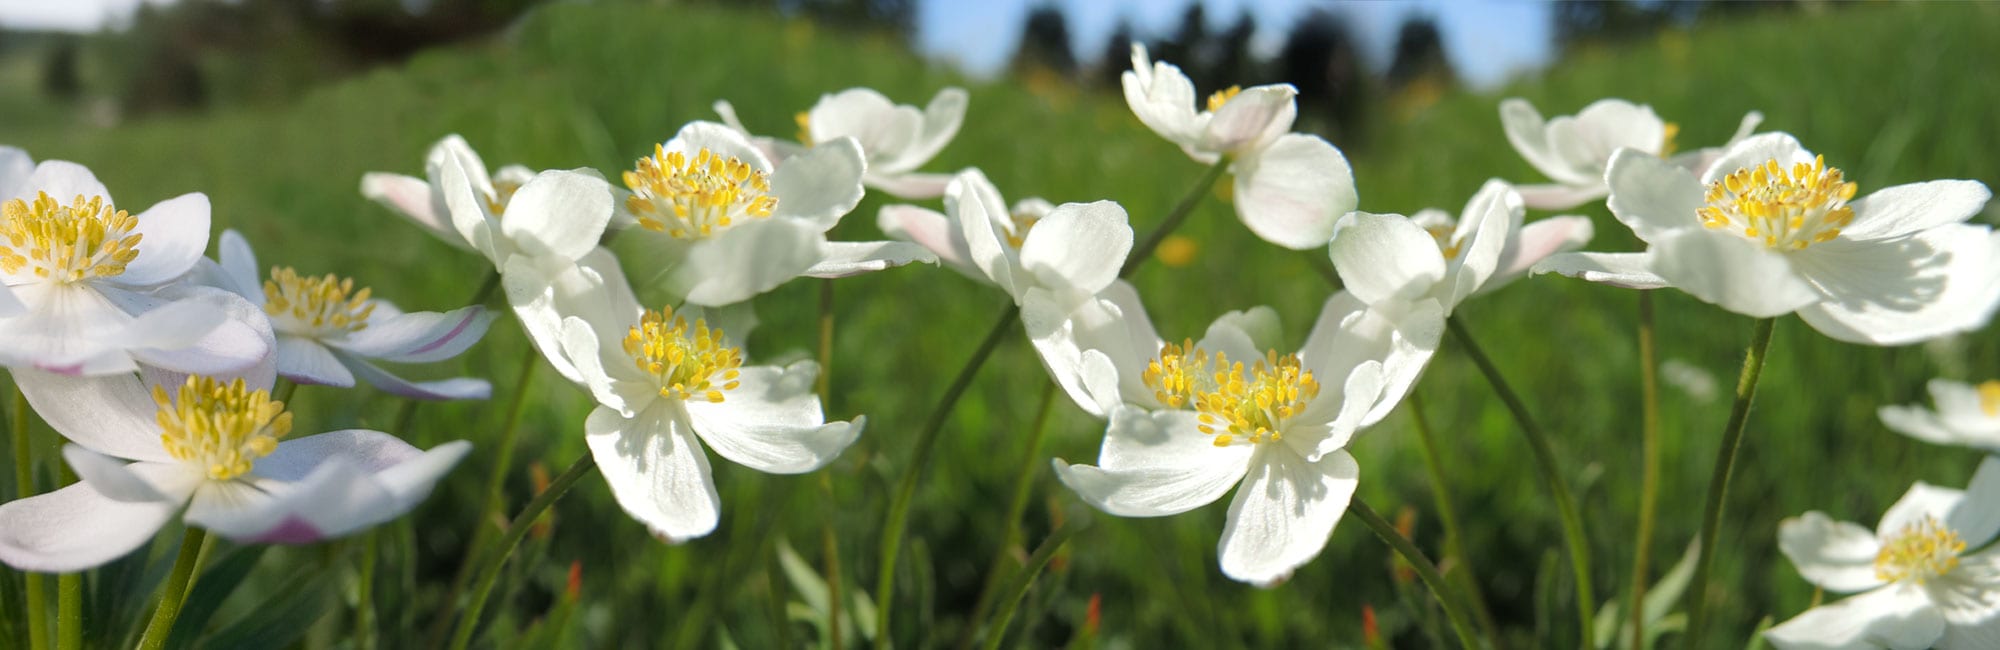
(1891,94)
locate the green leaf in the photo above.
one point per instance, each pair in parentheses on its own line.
(1757,635)
(280,621)
(1605,628)
(1661,597)
(213,587)
(803,577)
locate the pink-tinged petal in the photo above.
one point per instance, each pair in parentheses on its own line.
(1627,270)
(418,337)
(175,233)
(911,186)
(1650,196)
(76,528)
(1835,555)
(1291,192)
(1897,617)
(1733,272)
(657,472)
(1536,241)
(935,232)
(1905,210)
(1283,513)
(401,472)
(842,259)
(305,361)
(772,422)
(1154,464)
(821,185)
(441,389)
(1553,196)
(63,181)
(135,482)
(414,199)
(1944,281)
(111,415)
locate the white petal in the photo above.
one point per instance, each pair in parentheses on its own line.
(1554,196)
(1977,516)
(1944,281)
(1905,210)
(1051,324)
(1259,323)
(1603,127)
(1530,136)
(942,117)
(935,232)
(416,337)
(134,482)
(1155,464)
(1161,97)
(1290,193)
(882,128)
(1627,270)
(656,470)
(1284,513)
(239,267)
(15,168)
(910,186)
(76,528)
(307,362)
(1650,196)
(242,512)
(1835,555)
(1385,257)
(1490,217)
(581,345)
(1961,408)
(842,259)
(335,483)
(1400,336)
(1922,424)
(412,198)
(1895,617)
(1124,337)
(1755,151)
(976,205)
(821,185)
(772,422)
(749,258)
(63,181)
(1078,246)
(440,389)
(1969,598)
(1922,500)
(1535,242)
(1732,272)
(1325,429)
(466,204)
(111,415)
(1253,117)
(174,234)
(560,214)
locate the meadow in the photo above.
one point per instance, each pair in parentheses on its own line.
(1891,94)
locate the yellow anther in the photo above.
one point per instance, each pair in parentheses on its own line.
(686,362)
(1922,551)
(692,197)
(222,427)
(315,305)
(503,191)
(804,120)
(1023,222)
(1989,398)
(88,238)
(1443,234)
(1223,96)
(1233,401)
(1783,211)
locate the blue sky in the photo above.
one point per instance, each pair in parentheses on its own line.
(1487,40)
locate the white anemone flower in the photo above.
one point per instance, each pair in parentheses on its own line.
(211,450)
(1574,150)
(1965,415)
(422,200)
(896,139)
(1289,187)
(1919,588)
(91,289)
(941,234)
(1387,257)
(1771,230)
(327,331)
(666,383)
(724,226)
(1198,418)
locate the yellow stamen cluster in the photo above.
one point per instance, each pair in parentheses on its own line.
(1175,376)
(688,363)
(690,198)
(315,304)
(1023,221)
(1921,551)
(1989,398)
(1784,211)
(1442,233)
(1668,132)
(1233,400)
(1215,101)
(223,427)
(67,243)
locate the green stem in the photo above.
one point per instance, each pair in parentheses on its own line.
(1649,474)
(486,288)
(1718,483)
(1447,597)
(495,480)
(1545,461)
(829,542)
(69,592)
(906,488)
(489,571)
(24,482)
(1454,541)
(283,391)
(1025,578)
(1017,507)
(364,607)
(1144,250)
(179,582)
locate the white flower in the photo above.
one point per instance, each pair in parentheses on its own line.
(895,138)
(1770,230)
(327,331)
(92,290)
(1289,187)
(665,384)
(422,200)
(724,226)
(1920,589)
(1385,257)
(943,234)
(1573,150)
(211,450)
(1200,418)
(1966,415)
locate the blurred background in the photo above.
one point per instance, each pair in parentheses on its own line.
(276,107)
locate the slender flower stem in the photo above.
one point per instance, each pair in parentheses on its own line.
(1718,483)
(829,542)
(495,480)
(489,570)
(364,607)
(284,390)
(24,482)
(1018,586)
(1144,250)
(1545,460)
(1649,474)
(179,582)
(486,288)
(1454,542)
(69,591)
(1024,482)
(1442,591)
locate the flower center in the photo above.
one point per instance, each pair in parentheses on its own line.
(1443,234)
(315,306)
(67,243)
(689,198)
(1234,401)
(503,191)
(1922,550)
(223,427)
(1220,97)
(685,362)
(1023,221)
(1785,212)
(1989,398)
